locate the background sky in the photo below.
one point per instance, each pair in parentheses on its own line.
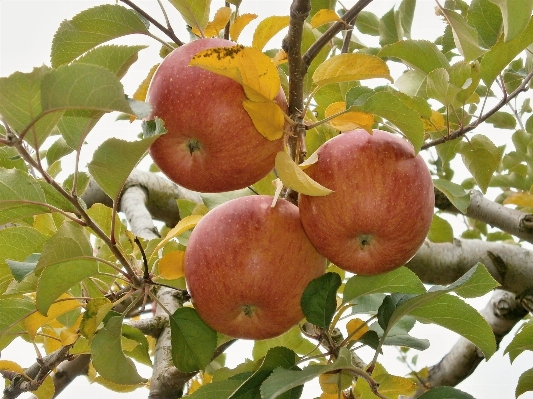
(26,31)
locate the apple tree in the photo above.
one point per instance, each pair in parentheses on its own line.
(93,257)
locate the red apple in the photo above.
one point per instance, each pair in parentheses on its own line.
(247,265)
(382,205)
(211,144)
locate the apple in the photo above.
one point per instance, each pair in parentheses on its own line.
(247,264)
(382,203)
(211,144)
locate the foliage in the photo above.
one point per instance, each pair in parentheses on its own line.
(75,275)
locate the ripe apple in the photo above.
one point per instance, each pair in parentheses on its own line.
(382,203)
(247,265)
(211,144)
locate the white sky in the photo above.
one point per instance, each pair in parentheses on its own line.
(26,31)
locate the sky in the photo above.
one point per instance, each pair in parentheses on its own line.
(26,31)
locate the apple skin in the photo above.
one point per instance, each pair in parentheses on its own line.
(211,144)
(247,265)
(382,206)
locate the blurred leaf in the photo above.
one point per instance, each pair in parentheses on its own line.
(465,36)
(502,120)
(516,15)
(216,390)
(398,280)
(170,266)
(92,27)
(293,177)
(292,339)
(407,13)
(523,199)
(445,393)
(319,299)
(239,24)
(267,117)
(390,386)
(194,12)
(525,383)
(367,23)
(440,230)
(454,192)
(482,158)
(422,55)
(46,390)
(486,18)
(109,359)
(349,120)
(356,328)
(267,29)
(121,157)
(57,150)
(193,341)
(325,16)
(11,366)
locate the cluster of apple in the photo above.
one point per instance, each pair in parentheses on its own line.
(247,262)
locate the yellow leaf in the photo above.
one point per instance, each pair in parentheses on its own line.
(218,23)
(324,16)
(329,382)
(313,158)
(95,312)
(521,199)
(293,177)
(349,120)
(68,337)
(267,118)
(142,90)
(117,387)
(200,209)
(329,396)
(128,344)
(390,386)
(357,327)
(351,66)
(63,304)
(46,390)
(280,58)
(239,24)
(170,266)
(183,225)
(267,29)
(8,365)
(434,124)
(246,65)
(51,340)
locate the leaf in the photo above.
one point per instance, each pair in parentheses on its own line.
(292,339)
(13,310)
(398,335)
(325,16)
(390,28)
(422,55)
(440,230)
(516,15)
(367,23)
(65,304)
(349,67)
(193,341)
(486,19)
(523,199)
(465,36)
(239,24)
(121,157)
(439,87)
(183,225)
(502,120)
(454,192)
(522,341)
(267,28)
(194,12)
(92,27)
(57,150)
(390,386)
(141,351)
(407,13)
(319,299)
(218,23)
(356,328)
(170,266)
(95,312)
(349,120)
(246,65)
(108,358)
(115,58)
(399,280)
(482,158)
(293,177)
(11,366)
(267,117)
(216,390)
(525,383)
(445,393)
(46,390)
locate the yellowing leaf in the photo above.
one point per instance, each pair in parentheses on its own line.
(357,327)
(267,118)
(63,304)
(218,23)
(51,340)
(329,382)
(246,65)
(313,158)
(348,67)
(434,124)
(280,58)
(293,177)
(324,16)
(183,225)
(390,386)
(8,365)
(68,337)
(171,265)
(521,199)
(123,388)
(95,312)
(46,390)
(349,120)
(239,24)
(266,30)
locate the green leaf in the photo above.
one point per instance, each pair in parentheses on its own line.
(108,358)
(421,55)
(117,59)
(439,87)
(445,393)
(65,261)
(194,12)
(522,341)
(482,158)
(216,390)
(20,104)
(465,36)
(516,15)
(13,310)
(83,86)
(193,341)
(390,28)
(503,53)
(502,120)
(440,230)
(319,299)
(398,335)
(399,280)
(141,351)
(454,192)
(407,13)
(22,269)
(292,339)
(92,27)
(487,19)
(387,308)
(57,150)
(525,383)
(10,159)
(367,23)
(121,157)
